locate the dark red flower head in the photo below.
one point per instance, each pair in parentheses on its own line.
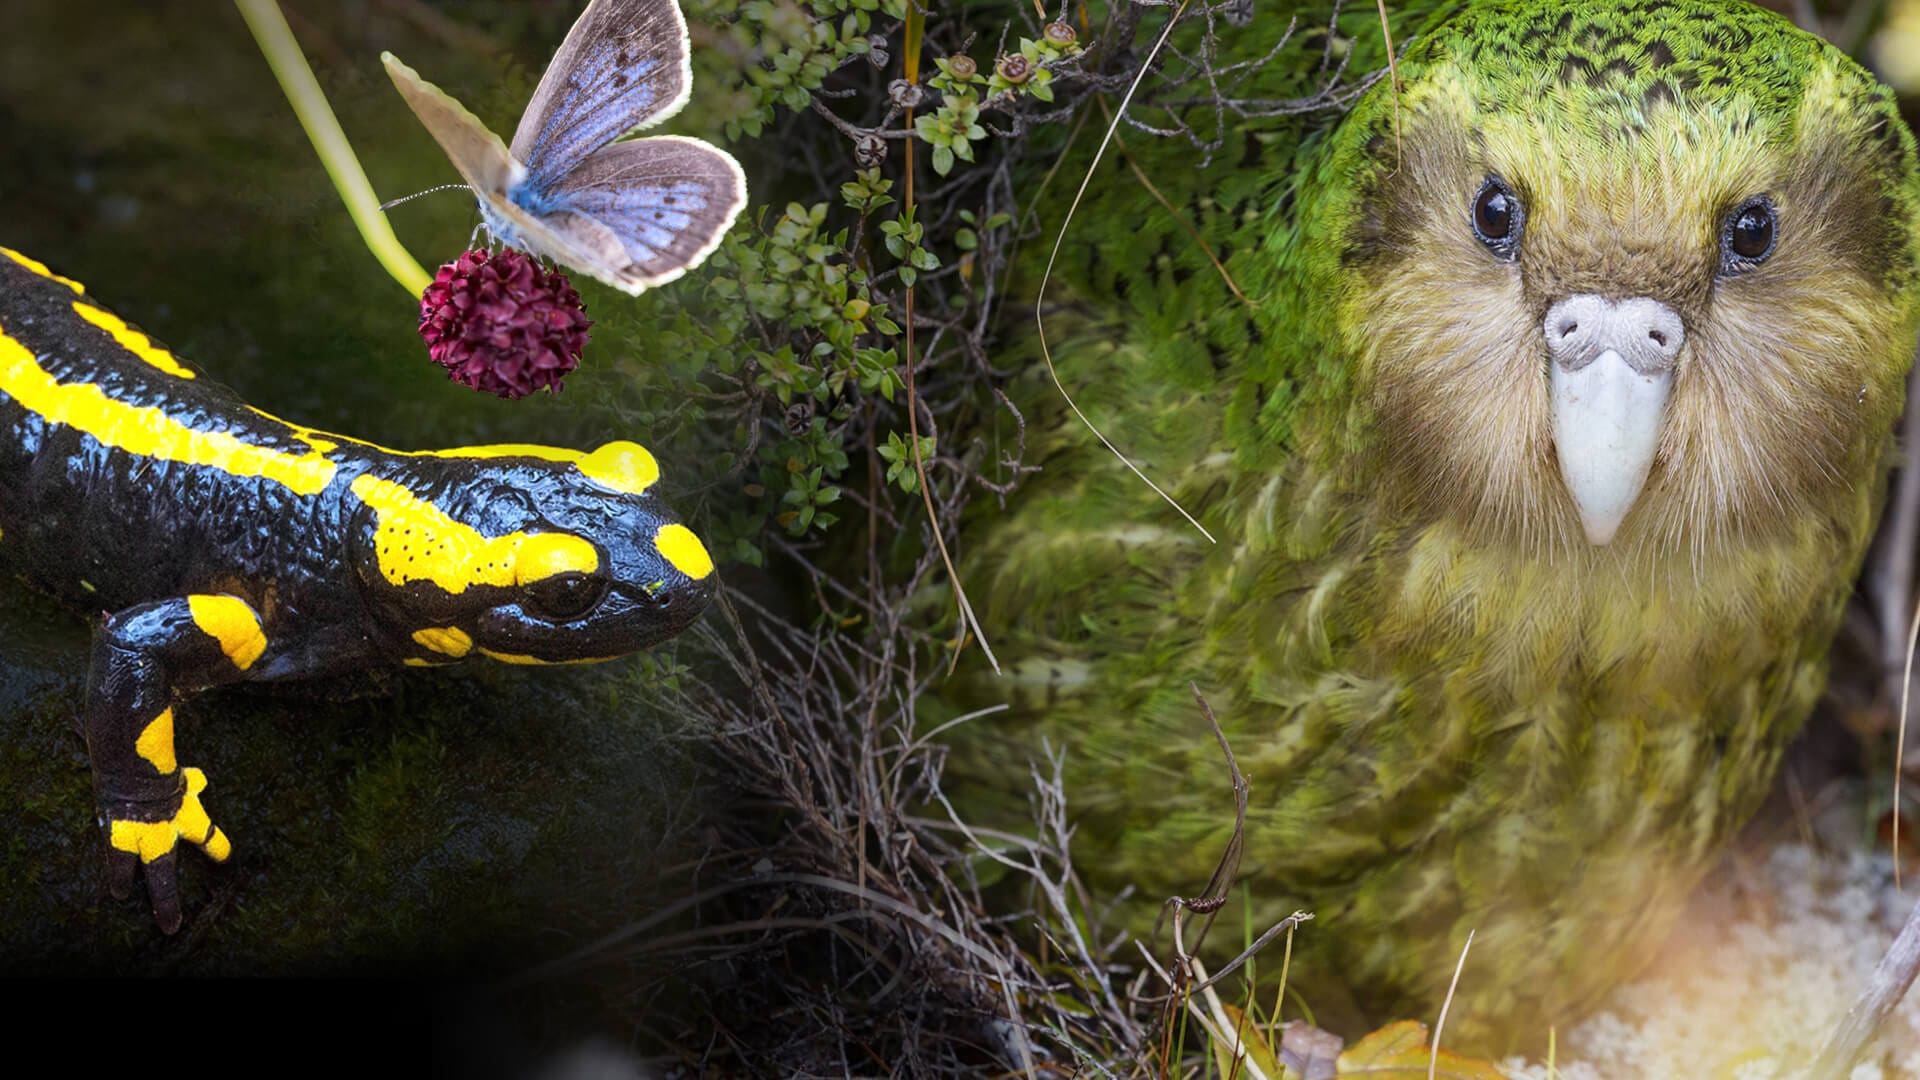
(500,323)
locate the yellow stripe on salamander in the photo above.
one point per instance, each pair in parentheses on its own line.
(155,743)
(523,658)
(677,544)
(151,840)
(40,268)
(132,340)
(618,466)
(147,431)
(445,640)
(415,540)
(232,623)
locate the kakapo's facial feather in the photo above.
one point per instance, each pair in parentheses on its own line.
(1631,137)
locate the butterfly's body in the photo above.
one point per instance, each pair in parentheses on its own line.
(633,214)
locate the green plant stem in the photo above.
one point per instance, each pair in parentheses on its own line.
(303,92)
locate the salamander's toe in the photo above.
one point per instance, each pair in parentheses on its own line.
(143,840)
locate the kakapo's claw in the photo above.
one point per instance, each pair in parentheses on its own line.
(144,838)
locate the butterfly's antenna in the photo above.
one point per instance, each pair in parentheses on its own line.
(391,203)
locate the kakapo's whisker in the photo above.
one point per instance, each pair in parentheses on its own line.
(1440,1025)
(391,203)
(1040,295)
(1900,741)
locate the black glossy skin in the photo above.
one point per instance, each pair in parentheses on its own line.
(164,530)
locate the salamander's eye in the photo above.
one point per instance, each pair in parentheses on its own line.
(565,597)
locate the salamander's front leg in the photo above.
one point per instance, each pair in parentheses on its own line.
(142,658)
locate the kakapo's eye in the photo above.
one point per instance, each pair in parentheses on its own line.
(1747,239)
(1498,217)
(564,597)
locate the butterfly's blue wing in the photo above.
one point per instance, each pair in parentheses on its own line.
(624,65)
(666,200)
(633,214)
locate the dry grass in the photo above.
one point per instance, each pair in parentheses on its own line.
(835,922)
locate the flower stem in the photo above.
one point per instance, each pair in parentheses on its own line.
(303,92)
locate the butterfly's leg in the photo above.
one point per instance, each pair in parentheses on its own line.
(143,656)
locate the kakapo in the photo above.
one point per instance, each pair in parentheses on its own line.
(1540,458)
(225,545)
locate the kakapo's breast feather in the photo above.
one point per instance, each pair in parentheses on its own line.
(1455,714)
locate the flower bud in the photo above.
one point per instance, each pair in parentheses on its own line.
(500,323)
(1014,68)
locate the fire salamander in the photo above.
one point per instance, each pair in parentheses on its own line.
(227,545)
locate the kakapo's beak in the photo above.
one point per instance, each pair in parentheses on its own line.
(1612,371)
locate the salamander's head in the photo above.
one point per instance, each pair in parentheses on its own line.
(526,554)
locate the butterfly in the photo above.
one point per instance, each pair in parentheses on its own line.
(634,214)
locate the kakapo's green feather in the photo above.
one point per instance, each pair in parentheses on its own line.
(1455,713)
